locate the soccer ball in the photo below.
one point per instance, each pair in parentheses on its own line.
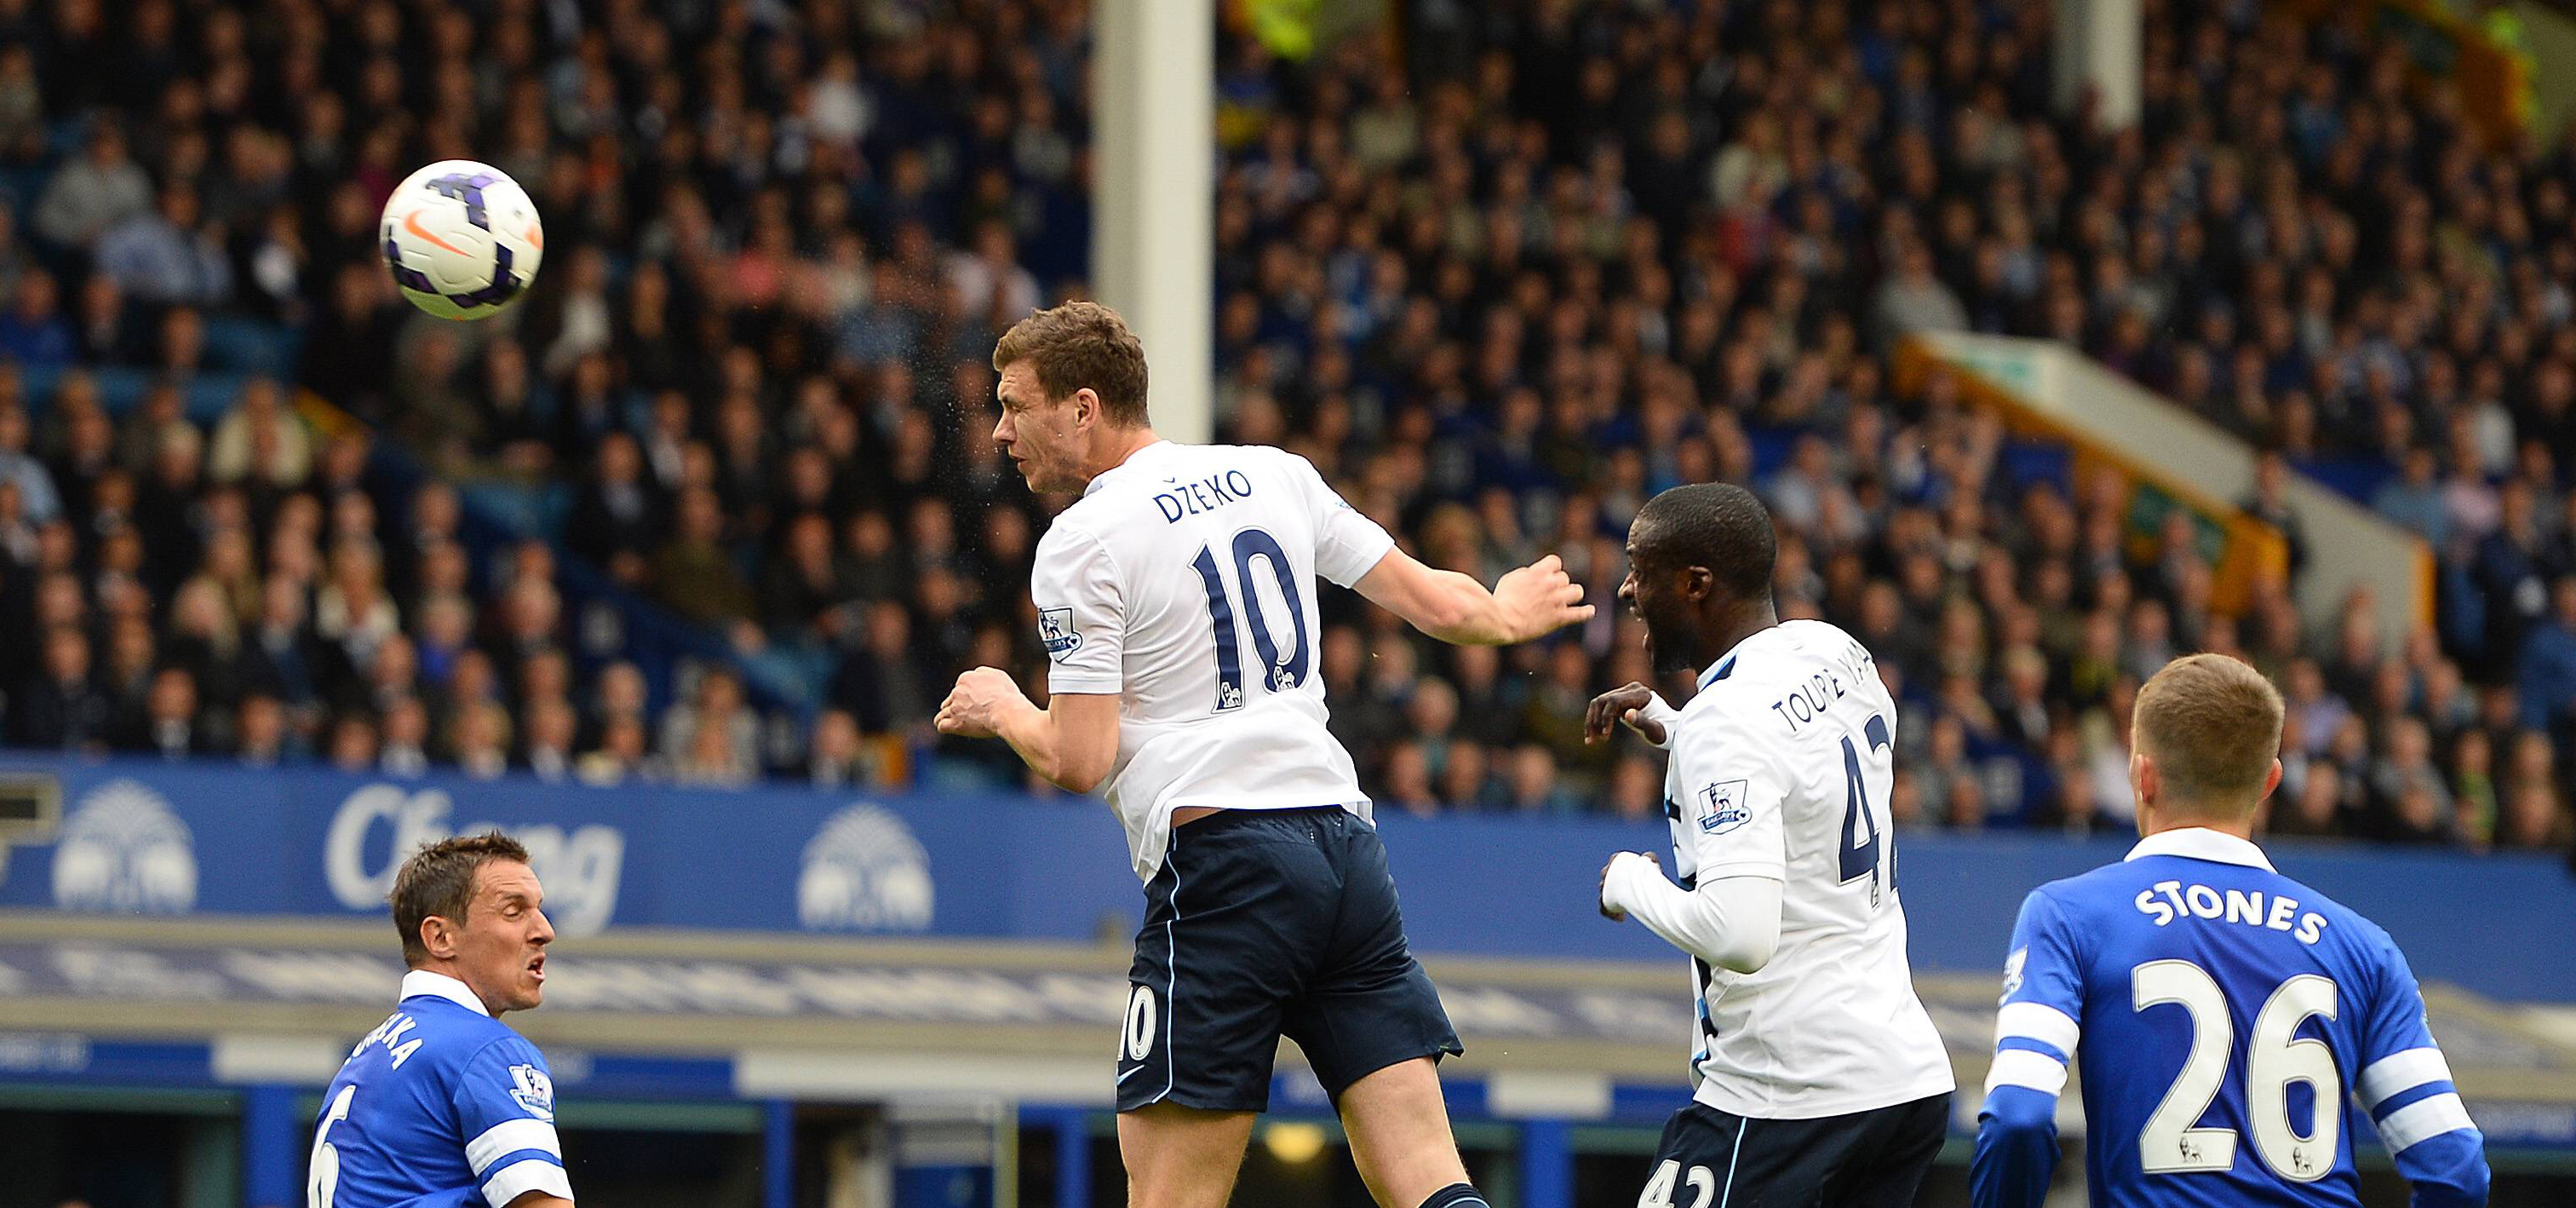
(462,239)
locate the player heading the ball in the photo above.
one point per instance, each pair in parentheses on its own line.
(2223,1012)
(1176,602)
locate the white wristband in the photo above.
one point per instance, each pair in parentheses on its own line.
(1662,714)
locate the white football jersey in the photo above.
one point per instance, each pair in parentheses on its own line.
(1780,768)
(1184,581)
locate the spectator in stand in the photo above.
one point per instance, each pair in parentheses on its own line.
(353,743)
(2547,678)
(61,709)
(261,732)
(615,516)
(694,572)
(93,193)
(837,755)
(260,440)
(547,748)
(38,501)
(714,738)
(404,747)
(34,331)
(161,257)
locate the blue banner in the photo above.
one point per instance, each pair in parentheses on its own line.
(150,837)
(180,838)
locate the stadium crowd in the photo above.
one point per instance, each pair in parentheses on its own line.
(1501,285)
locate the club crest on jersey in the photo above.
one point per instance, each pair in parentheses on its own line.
(1725,809)
(2012,971)
(1055,632)
(533,1090)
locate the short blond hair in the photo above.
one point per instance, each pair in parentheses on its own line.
(2212,725)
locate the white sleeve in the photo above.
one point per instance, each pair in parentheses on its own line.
(1662,713)
(1348,545)
(1730,922)
(1730,792)
(1082,614)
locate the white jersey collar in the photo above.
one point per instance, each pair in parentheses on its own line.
(1102,478)
(1725,666)
(2202,843)
(420,983)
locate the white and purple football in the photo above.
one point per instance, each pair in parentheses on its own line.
(462,239)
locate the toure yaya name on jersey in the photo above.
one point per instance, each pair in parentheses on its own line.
(1825,687)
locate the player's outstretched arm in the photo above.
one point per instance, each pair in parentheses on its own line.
(1072,742)
(1536,600)
(539,1199)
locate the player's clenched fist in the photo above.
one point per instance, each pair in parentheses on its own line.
(974,707)
(1618,914)
(1627,705)
(1540,598)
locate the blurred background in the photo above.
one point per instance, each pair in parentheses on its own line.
(2062,338)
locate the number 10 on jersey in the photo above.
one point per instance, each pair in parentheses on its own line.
(1281,670)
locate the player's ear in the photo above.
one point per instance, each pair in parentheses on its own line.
(2144,783)
(438,936)
(1698,582)
(1086,408)
(2271,779)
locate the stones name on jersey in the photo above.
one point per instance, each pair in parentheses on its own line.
(2167,901)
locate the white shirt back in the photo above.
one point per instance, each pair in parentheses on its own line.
(1184,581)
(1781,767)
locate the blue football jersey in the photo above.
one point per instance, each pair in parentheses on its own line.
(2226,1017)
(442,1106)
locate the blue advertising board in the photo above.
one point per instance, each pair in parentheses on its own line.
(205,838)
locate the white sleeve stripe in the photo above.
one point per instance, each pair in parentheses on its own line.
(520,1178)
(2037,1021)
(2400,1071)
(2024,1068)
(509,1137)
(2424,1120)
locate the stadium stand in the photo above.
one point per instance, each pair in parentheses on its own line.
(718,502)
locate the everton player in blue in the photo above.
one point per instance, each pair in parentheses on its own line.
(2223,1012)
(442,1106)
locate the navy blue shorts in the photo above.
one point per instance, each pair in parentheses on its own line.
(1264,923)
(1870,1159)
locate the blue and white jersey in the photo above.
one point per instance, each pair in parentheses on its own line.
(2222,1013)
(442,1106)
(1183,581)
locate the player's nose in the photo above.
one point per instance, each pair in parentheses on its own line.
(543,931)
